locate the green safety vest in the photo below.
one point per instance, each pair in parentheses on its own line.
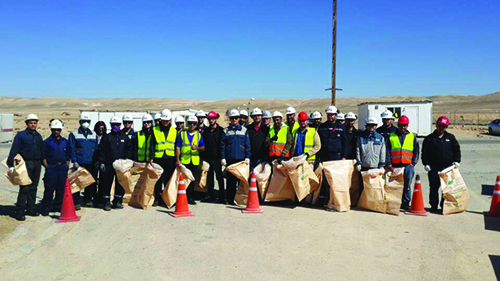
(187,154)
(164,146)
(276,148)
(401,154)
(309,142)
(143,146)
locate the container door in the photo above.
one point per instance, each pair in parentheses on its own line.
(413,114)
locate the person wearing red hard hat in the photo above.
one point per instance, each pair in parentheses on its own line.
(440,150)
(212,135)
(402,152)
(306,142)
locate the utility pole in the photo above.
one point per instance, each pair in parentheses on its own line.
(334,50)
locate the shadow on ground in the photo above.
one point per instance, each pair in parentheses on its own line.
(495,262)
(490,223)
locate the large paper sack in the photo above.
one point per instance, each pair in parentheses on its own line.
(262,174)
(129,174)
(241,171)
(394,186)
(455,193)
(316,187)
(143,196)
(339,174)
(355,177)
(201,183)
(20,174)
(280,187)
(301,177)
(372,197)
(79,179)
(169,194)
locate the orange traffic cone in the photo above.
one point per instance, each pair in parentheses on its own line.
(68,213)
(181,207)
(253,198)
(417,201)
(495,201)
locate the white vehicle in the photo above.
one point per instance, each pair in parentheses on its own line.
(419,112)
(6,127)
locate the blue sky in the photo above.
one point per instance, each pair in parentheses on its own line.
(221,49)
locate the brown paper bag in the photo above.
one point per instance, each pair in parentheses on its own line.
(393,190)
(280,187)
(262,174)
(201,183)
(300,176)
(20,174)
(79,179)
(143,195)
(129,174)
(338,174)
(241,171)
(372,197)
(169,194)
(355,185)
(455,193)
(316,187)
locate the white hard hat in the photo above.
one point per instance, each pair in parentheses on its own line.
(84,116)
(56,124)
(243,113)
(157,116)
(179,119)
(31,116)
(200,113)
(256,111)
(147,118)
(290,110)
(316,115)
(233,113)
(115,120)
(192,118)
(387,115)
(127,117)
(166,115)
(277,114)
(331,110)
(351,115)
(340,116)
(371,120)
(266,114)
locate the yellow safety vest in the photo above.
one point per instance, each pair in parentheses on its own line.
(401,154)
(143,146)
(164,146)
(309,142)
(294,128)
(276,148)
(187,154)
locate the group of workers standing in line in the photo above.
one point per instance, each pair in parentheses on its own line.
(170,145)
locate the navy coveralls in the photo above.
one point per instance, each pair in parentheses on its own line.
(56,152)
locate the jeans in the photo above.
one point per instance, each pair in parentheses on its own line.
(408,177)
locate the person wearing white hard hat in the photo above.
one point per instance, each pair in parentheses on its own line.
(315,119)
(243,117)
(157,118)
(235,147)
(162,152)
(341,118)
(188,148)
(387,127)
(28,144)
(293,125)
(280,139)
(179,123)
(201,115)
(141,140)
(113,146)
(258,133)
(55,159)
(267,116)
(352,134)
(334,143)
(82,146)
(128,122)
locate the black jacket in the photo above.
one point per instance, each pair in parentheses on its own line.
(28,144)
(334,143)
(114,146)
(212,143)
(386,131)
(258,146)
(352,140)
(440,152)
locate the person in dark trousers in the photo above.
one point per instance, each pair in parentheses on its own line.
(141,140)
(235,147)
(403,152)
(100,130)
(440,150)
(56,155)
(212,136)
(352,134)
(113,146)
(82,146)
(387,127)
(258,134)
(162,152)
(28,144)
(188,148)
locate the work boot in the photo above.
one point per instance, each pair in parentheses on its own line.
(208,199)
(434,210)
(155,203)
(107,206)
(191,201)
(32,213)
(117,205)
(78,207)
(89,205)
(45,213)
(19,215)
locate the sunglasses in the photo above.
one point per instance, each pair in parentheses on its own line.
(233,118)
(128,122)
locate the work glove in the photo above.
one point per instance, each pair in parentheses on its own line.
(456,164)
(11,170)
(275,138)
(103,168)
(358,167)
(279,160)
(223,162)
(247,160)
(75,166)
(427,168)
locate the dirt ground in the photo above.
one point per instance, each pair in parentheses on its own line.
(220,243)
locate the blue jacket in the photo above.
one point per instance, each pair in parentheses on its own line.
(56,152)
(28,145)
(82,146)
(334,141)
(235,143)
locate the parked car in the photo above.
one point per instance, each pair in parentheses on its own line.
(494,127)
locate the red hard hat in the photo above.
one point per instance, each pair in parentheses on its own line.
(404,120)
(303,116)
(443,120)
(212,114)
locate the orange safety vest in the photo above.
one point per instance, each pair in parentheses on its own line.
(401,154)
(276,147)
